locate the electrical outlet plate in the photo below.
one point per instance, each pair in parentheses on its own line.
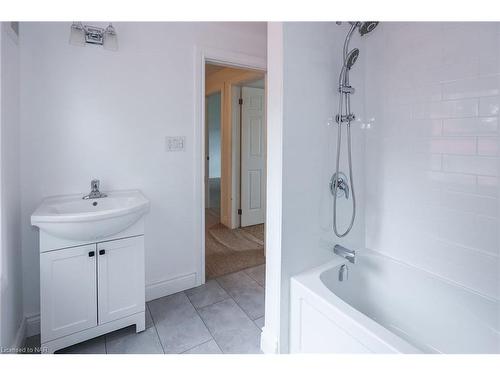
(175,143)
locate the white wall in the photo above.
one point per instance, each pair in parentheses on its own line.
(87,112)
(432,153)
(11,309)
(309,64)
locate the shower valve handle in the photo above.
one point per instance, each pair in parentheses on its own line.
(342,185)
(339,184)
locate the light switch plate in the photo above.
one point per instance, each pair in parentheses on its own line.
(175,143)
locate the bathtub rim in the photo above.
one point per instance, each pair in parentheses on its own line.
(310,281)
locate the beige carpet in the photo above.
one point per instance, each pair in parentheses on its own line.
(231,250)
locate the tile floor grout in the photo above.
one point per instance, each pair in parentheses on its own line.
(229,296)
(156,329)
(204,323)
(253,278)
(225,299)
(203,343)
(237,304)
(210,304)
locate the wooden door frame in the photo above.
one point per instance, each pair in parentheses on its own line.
(205,55)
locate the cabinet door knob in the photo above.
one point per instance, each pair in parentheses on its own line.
(91,253)
(102,252)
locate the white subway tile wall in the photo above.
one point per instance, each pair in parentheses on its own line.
(432,148)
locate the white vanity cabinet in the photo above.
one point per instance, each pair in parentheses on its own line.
(68,285)
(91,289)
(91,265)
(120,278)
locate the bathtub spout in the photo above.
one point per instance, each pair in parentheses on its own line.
(350,255)
(344,273)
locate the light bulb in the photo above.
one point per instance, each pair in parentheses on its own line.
(77,34)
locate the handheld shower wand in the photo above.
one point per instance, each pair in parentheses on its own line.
(345,116)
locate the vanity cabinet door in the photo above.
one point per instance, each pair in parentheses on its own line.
(121,279)
(68,288)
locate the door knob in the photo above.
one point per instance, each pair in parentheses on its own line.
(102,252)
(91,253)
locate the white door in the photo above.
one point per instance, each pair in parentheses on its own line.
(253,158)
(68,291)
(121,278)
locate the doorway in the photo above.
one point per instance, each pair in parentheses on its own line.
(235,170)
(213,162)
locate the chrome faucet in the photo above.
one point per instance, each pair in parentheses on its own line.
(344,273)
(350,255)
(94,192)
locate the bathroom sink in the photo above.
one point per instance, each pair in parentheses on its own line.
(74,218)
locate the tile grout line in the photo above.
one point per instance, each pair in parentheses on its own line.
(237,304)
(211,304)
(196,346)
(156,329)
(254,321)
(253,278)
(244,312)
(208,329)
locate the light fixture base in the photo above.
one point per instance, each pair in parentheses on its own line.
(81,35)
(94,35)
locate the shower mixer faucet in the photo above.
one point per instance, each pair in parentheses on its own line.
(339,185)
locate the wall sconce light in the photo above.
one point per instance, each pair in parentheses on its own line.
(81,34)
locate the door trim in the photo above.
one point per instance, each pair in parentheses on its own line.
(205,55)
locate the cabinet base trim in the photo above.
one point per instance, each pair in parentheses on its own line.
(171,286)
(138,319)
(153,291)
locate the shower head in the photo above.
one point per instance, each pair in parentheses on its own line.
(367,27)
(351,58)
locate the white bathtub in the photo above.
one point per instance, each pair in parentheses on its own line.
(388,307)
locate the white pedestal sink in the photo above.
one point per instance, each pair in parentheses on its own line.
(73,218)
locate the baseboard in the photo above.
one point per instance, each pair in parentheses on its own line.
(268,342)
(32,325)
(20,335)
(171,286)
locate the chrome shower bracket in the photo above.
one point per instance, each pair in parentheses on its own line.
(341,119)
(344,89)
(339,180)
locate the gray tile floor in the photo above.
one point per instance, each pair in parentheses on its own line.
(225,315)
